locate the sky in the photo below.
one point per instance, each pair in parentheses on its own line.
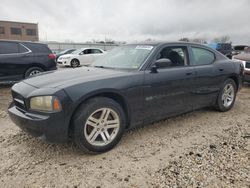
(132,20)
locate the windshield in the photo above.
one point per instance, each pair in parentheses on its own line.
(62,52)
(124,57)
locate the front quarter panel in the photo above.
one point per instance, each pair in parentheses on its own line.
(130,88)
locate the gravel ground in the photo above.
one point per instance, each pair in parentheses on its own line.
(199,149)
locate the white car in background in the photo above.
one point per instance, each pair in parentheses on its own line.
(83,56)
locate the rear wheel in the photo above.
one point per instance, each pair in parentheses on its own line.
(75,63)
(227,95)
(33,71)
(98,125)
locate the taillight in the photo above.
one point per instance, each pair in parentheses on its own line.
(52,56)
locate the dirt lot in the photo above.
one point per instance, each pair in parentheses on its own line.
(200,149)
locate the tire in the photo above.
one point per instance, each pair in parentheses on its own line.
(74,63)
(90,130)
(227,95)
(33,71)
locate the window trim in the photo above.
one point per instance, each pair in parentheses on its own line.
(192,55)
(28,51)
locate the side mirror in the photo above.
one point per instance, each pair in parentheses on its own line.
(161,63)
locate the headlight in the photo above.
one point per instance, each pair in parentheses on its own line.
(45,103)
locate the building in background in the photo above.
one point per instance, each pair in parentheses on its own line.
(18,31)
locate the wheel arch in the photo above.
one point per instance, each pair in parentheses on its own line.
(236,80)
(75,59)
(34,65)
(114,95)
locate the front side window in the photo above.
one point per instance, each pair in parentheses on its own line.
(87,51)
(178,56)
(202,56)
(8,48)
(15,31)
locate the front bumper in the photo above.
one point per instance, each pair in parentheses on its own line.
(247,76)
(53,127)
(65,62)
(49,127)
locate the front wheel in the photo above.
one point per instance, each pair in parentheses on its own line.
(227,95)
(98,125)
(74,63)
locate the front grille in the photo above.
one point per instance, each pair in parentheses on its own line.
(248,65)
(19,101)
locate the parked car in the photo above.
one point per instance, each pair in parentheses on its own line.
(130,86)
(239,49)
(19,60)
(64,52)
(245,59)
(224,48)
(83,56)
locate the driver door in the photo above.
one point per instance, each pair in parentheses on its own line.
(86,57)
(168,91)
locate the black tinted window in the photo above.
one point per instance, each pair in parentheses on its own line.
(176,55)
(88,51)
(15,31)
(38,48)
(202,56)
(8,47)
(22,49)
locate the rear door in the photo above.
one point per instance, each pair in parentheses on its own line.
(208,76)
(96,53)
(13,61)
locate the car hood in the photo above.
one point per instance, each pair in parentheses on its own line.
(68,55)
(243,57)
(74,76)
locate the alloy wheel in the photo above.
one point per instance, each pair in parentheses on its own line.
(74,63)
(102,127)
(34,72)
(228,95)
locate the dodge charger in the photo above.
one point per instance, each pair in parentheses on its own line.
(130,86)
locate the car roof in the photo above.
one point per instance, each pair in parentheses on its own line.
(157,43)
(20,41)
(86,48)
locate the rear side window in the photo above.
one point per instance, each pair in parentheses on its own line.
(202,56)
(38,48)
(22,49)
(8,48)
(96,51)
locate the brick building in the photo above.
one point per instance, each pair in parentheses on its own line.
(19,31)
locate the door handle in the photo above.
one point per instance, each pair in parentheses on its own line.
(189,73)
(221,70)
